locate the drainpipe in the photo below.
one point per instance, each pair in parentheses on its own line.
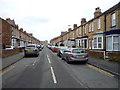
(104,36)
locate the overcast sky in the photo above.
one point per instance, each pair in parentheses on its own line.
(47,18)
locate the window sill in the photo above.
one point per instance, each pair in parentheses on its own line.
(113,26)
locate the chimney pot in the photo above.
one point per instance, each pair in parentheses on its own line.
(74,26)
(83,20)
(8,19)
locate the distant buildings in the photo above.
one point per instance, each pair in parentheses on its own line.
(100,35)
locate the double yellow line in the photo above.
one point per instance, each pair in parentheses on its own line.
(100,70)
(6,70)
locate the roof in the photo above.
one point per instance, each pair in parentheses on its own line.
(11,22)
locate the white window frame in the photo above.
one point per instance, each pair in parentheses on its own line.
(92,26)
(112,49)
(97,36)
(113,17)
(99,26)
(89,27)
(80,30)
(85,28)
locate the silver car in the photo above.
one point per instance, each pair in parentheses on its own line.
(60,51)
(31,50)
(75,54)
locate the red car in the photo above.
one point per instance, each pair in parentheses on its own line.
(55,49)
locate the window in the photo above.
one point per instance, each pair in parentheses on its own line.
(92,26)
(98,42)
(95,42)
(113,43)
(98,23)
(113,19)
(80,30)
(85,28)
(89,27)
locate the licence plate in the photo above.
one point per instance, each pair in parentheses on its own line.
(29,50)
(80,56)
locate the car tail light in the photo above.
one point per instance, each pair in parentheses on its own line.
(71,55)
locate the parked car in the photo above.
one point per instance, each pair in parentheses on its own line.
(31,50)
(75,54)
(11,47)
(60,51)
(55,49)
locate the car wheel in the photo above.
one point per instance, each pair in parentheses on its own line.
(85,62)
(63,58)
(67,60)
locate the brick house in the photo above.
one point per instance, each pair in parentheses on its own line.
(100,35)
(5,33)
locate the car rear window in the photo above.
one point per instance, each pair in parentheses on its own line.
(78,51)
(30,47)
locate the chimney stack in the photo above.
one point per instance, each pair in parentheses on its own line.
(8,19)
(17,27)
(83,20)
(21,29)
(69,29)
(74,26)
(97,12)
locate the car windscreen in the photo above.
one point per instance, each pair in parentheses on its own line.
(78,51)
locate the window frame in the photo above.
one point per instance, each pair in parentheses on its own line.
(92,26)
(112,49)
(97,43)
(99,23)
(113,19)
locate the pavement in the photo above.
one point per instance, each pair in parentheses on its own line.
(11,60)
(109,66)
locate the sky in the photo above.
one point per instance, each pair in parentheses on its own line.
(47,18)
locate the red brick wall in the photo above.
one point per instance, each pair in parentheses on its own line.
(6,33)
(5,53)
(114,56)
(96,54)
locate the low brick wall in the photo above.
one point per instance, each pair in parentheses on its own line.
(114,56)
(96,54)
(10,56)
(9,52)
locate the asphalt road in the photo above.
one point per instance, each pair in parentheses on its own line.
(50,71)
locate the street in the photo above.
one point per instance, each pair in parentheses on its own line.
(50,71)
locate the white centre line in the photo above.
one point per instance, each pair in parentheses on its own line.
(52,71)
(34,63)
(48,59)
(53,75)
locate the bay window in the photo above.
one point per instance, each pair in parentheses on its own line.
(113,43)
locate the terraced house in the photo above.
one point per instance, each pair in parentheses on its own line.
(100,35)
(11,35)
